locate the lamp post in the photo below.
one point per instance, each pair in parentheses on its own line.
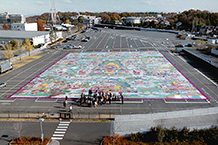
(42,134)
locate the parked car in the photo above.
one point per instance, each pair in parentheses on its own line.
(84,40)
(58,44)
(69,38)
(3,85)
(77,47)
(54,46)
(83,31)
(64,41)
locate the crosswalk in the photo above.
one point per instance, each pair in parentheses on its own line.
(60,130)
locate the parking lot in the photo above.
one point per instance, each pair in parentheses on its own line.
(107,40)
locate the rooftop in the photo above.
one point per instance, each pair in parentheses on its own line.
(21,34)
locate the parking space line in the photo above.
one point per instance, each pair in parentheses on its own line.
(186,102)
(8,101)
(37,100)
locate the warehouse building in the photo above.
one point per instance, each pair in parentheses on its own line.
(36,37)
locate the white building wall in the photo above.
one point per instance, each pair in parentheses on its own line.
(30,26)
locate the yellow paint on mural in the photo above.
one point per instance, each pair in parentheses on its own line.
(45,84)
(118,87)
(111,63)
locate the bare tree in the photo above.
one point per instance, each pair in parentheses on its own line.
(20,48)
(8,53)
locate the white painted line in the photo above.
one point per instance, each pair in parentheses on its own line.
(207,102)
(107,46)
(131,46)
(182,59)
(8,101)
(61,129)
(127,102)
(206,77)
(65,122)
(44,101)
(56,138)
(58,134)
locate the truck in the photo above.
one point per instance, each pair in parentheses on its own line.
(5,66)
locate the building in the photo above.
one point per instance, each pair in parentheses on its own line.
(24,26)
(12,18)
(90,21)
(131,20)
(36,37)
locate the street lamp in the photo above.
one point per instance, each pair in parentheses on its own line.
(42,134)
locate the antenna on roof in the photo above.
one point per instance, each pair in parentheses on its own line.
(53,13)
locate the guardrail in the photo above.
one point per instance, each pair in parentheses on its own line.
(57,115)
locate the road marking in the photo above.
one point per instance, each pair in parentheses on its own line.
(107,46)
(57,132)
(37,100)
(61,129)
(56,138)
(8,101)
(186,102)
(131,46)
(60,132)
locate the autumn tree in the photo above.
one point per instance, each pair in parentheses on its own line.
(115,17)
(27,45)
(8,53)
(67,21)
(13,44)
(40,25)
(5,27)
(105,18)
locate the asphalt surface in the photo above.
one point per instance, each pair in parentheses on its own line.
(77,133)
(104,41)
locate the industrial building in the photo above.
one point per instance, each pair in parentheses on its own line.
(24,26)
(36,37)
(12,18)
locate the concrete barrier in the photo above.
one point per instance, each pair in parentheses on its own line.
(196,118)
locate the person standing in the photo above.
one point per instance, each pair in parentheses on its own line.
(121,95)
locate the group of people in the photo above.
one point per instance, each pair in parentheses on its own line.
(99,97)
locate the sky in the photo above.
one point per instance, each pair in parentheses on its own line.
(38,7)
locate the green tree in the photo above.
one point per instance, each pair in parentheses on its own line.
(8,53)
(27,45)
(81,19)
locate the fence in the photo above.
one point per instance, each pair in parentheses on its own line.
(56,115)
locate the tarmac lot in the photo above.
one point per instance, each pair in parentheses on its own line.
(104,41)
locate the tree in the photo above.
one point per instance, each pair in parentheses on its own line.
(20,48)
(5,27)
(27,45)
(81,19)
(8,53)
(14,44)
(67,21)
(105,18)
(40,25)
(115,17)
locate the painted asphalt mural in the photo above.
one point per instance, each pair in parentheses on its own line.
(138,75)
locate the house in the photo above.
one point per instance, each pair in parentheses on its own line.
(131,20)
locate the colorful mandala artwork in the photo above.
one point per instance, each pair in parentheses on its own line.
(137,75)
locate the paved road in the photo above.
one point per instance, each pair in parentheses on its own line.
(76,133)
(107,40)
